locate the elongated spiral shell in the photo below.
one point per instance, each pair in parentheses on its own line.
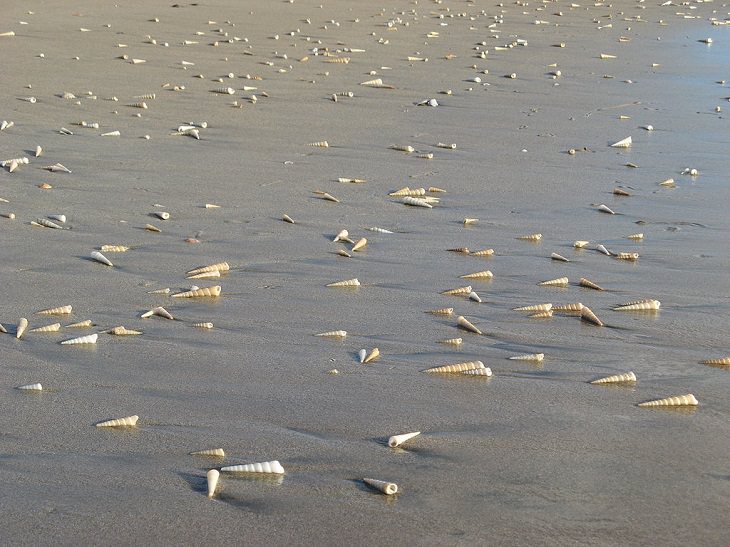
(287,218)
(483,252)
(351,180)
(678,400)
(220,267)
(640,305)
(531,237)
(602,249)
(587,315)
(346,283)
(96,255)
(474,297)
(588,284)
(159,311)
(453,341)
(57,167)
(606,209)
(623,143)
(616,379)
(205,325)
(205,275)
(397,440)
(387,488)
(333,333)
(417,202)
(378,230)
(60,310)
(535,307)
(113,248)
(408,149)
(329,197)
(123,331)
(558,282)
(528,357)
(223,90)
(55,327)
(459,291)
(635,237)
(31,387)
(152,228)
(560,258)
(212,477)
(212,452)
(568,308)
(455,367)
(46,224)
(263,467)
(485,274)
(88,339)
(724,361)
(197,293)
(441,311)
(3,329)
(486,371)
(338,60)
(21,328)
(81,324)
(140,104)
(128,421)
(627,256)
(319,144)
(465,324)
(405,192)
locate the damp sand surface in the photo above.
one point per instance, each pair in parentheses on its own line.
(533,454)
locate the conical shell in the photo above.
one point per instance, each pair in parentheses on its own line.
(31,387)
(486,274)
(46,224)
(531,237)
(2,329)
(640,305)
(460,250)
(441,311)
(436,189)
(287,218)
(140,104)
(589,284)
(473,296)
(620,192)
(417,202)
(329,197)
(162,215)
(223,90)
(377,82)
(623,143)
(627,256)
(205,275)
(453,341)
(397,440)
(220,266)
(346,283)
(123,331)
(602,249)
(406,192)
(55,327)
(460,291)
(338,60)
(361,355)
(678,400)
(455,367)
(263,467)
(580,244)
(212,477)
(724,361)
(561,258)
(528,357)
(319,144)
(38,151)
(212,452)
(152,228)
(587,314)
(558,282)
(465,324)
(88,339)
(21,328)
(129,421)
(206,291)
(483,252)
(486,371)
(343,252)
(206,325)
(57,167)
(159,311)
(343,235)
(379,230)
(333,333)
(61,310)
(568,308)
(80,324)
(113,249)
(408,149)
(541,314)
(59,218)
(616,379)
(372,356)
(360,244)
(635,237)
(535,307)
(96,255)
(387,488)
(606,209)
(111,134)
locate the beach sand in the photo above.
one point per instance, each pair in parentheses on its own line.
(533,455)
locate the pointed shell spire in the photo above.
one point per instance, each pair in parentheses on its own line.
(486,372)
(31,387)
(96,255)
(263,467)
(159,311)
(88,339)
(616,379)
(346,283)
(61,310)
(586,314)
(55,327)
(211,452)
(588,284)
(465,324)
(723,362)
(557,282)
(372,356)
(640,305)
(220,266)
(333,333)
(212,477)
(21,328)
(197,293)
(623,143)
(535,307)
(678,400)
(528,357)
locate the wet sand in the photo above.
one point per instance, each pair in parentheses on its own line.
(534,454)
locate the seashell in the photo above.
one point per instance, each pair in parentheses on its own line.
(378,230)
(602,249)
(196,293)
(96,255)
(113,249)
(287,218)
(377,82)
(636,237)
(111,134)
(343,235)
(220,267)
(453,341)
(372,356)
(669,183)
(557,282)
(620,192)
(350,180)
(678,400)
(485,274)
(202,325)
(474,297)
(616,379)
(59,218)
(338,60)
(560,258)
(639,305)
(162,215)
(528,357)
(21,328)
(329,197)
(441,311)
(263,467)
(212,477)
(166,290)
(461,250)
(333,333)
(723,361)
(319,144)
(362,354)
(2,329)
(428,156)
(212,206)
(406,191)
(483,252)
(38,151)
(146,96)
(346,283)
(360,244)
(535,307)
(57,167)
(456,367)
(589,284)
(417,202)
(623,143)
(128,421)
(541,315)
(606,56)
(152,228)
(55,327)
(436,190)
(387,488)
(31,387)
(61,310)
(586,314)
(605,209)
(123,331)
(159,311)
(408,149)
(568,308)
(223,90)
(447,146)
(460,291)
(531,237)
(465,324)
(343,252)
(205,275)
(80,324)
(397,440)
(468,221)
(212,452)
(88,339)
(7,34)
(486,371)
(64,131)
(142,105)
(47,224)
(627,256)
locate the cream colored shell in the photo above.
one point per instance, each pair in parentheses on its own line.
(212,452)
(372,356)
(220,267)
(262,467)
(31,387)
(346,283)
(483,252)
(559,258)
(568,308)
(333,333)
(587,315)
(531,237)
(123,331)
(55,327)
(205,275)
(679,400)
(460,291)
(212,477)
(441,311)
(114,248)
(465,324)
(81,324)
(535,307)
(397,440)
(21,328)
(387,488)
(61,310)
(486,371)
(128,421)
(455,367)
(724,361)
(197,293)
(557,282)
(88,339)
(616,379)
(159,311)
(96,255)
(639,305)
(588,284)
(485,274)
(528,357)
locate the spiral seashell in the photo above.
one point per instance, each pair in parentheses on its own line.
(535,307)
(220,267)
(329,197)
(627,256)
(205,275)
(453,341)
(560,258)
(616,379)
(21,328)
(152,228)
(441,311)
(142,105)
(212,206)
(202,325)
(447,146)
(531,237)
(678,400)
(436,190)
(623,143)
(378,230)
(343,252)
(351,180)
(123,331)
(212,477)
(589,284)
(636,237)
(145,96)
(568,308)
(212,452)
(407,149)
(57,167)
(338,60)
(361,243)
(602,249)
(406,191)
(473,296)
(128,421)
(31,387)
(639,305)
(88,339)
(541,315)
(428,156)
(483,252)
(416,202)
(61,310)
(486,274)
(397,440)
(333,333)
(223,90)
(558,282)
(80,324)
(55,327)
(159,311)
(166,290)
(587,315)
(111,134)
(287,218)
(377,82)
(372,356)
(465,324)
(346,283)
(46,224)
(460,291)
(528,357)
(263,467)
(96,255)
(580,244)
(486,372)
(460,250)
(620,192)
(319,144)
(38,151)
(196,293)
(723,361)
(387,488)
(605,209)
(343,235)
(162,215)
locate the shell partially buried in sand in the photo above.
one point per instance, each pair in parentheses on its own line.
(385,487)
(128,421)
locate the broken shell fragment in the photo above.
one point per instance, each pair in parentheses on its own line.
(212,452)
(55,327)
(678,400)
(627,256)
(397,440)
(21,328)
(220,266)
(372,356)
(486,371)
(639,305)
(465,324)
(724,361)
(31,387)
(262,467)
(387,488)
(96,255)
(333,333)
(128,421)
(587,315)
(88,339)
(623,143)
(346,283)
(589,284)
(616,379)
(455,367)
(486,274)
(528,357)
(123,331)
(61,310)
(196,293)
(453,341)
(159,311)
(558,282)
(535,307)
(212,477)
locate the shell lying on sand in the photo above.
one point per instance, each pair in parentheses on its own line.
(262,467)
(528,357)
(587,315)
(120,422)
(616,379)
(397,440)
(212,452)
(640,305)
(220,266)
(455,367)
(60,310)
(346,283)
(679,400)
(88,339)
(212,477)
(197,293)
(387,488)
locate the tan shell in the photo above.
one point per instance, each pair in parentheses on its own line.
(212,477)
(486,371)
(460,250)
(436,189)
(113,249)
(483,252)
(678,400)
(31,387)
(21,328)
(372,356)
(329,197)
(616,379)
(561,258)
(588,284)
(568,308)
(455,367)
(441,311)
(206,291)
(460,291)
(220,266)
(465,324)
(387,488)
(453,341)
(343,235)
(486,274)
(123,331)
(397,440)
(535,307)
(468,221)
(580,244)
(212,452)
(541,314)
(55,327)
(287,218)
(319,144)
(346,283)
(343,252)
(620,192)
(159,311)
(61,310)
(587,315)
(636,237)
(152,228)
(360,244)
(81,324)
(333,333)
(724,361)
(639,305)
(204,325)
(528,357)
(627,256)
(205,275)
(558,282)
(417,202)
(128,421)
(531,237)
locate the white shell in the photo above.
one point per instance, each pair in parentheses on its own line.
(387,488)
(287,218)
(485,274)
(528,357)
(397,440)
(455,367)
(205,275)
(580,244)
(220,266)
(212,452)
(60,310)
(346,283)
(474,297)
(96,255)
(120,422)
(31,387)
(558,282)
(531,237)
(343,235)
(55,327)
(111,134)
(206,325)
(80,324)
(21,328)
(46,224)
(486,371)
(88,339)
(59,218)
(561,258)
(606,209)
(640,305)
(616,379)
(223,90)
(465,324)
(196,293)
(602,249)
(535,307)
(623,143)
(362,354)
(568,308)
(263,467)
(212,477)
(333,333)
(459,291)
(319,144)
(417,202)
(159,311)
(162,215)
(123,331)
(482,252)
(453,341)
(441,311)
(362,242)
(678,400)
